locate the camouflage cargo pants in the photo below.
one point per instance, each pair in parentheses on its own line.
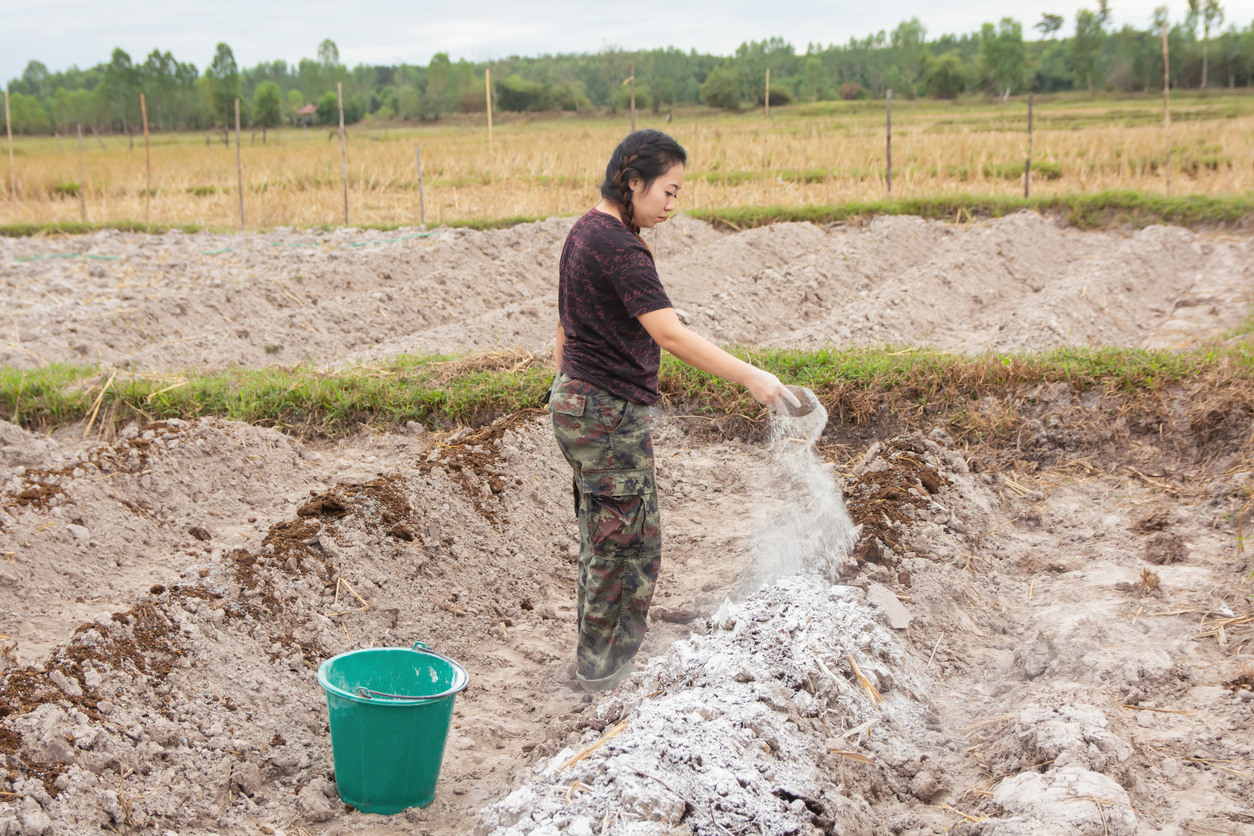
(608,442)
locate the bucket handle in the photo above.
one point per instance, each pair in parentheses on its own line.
(366,694)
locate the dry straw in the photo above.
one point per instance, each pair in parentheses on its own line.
(555,167)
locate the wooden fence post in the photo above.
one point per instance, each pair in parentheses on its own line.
(82,184)
(889,132)
(339,92)
(239,168)
(422,208)
(632,79)
(143,109)
(8,128)
(487,91)
(1027,165)
(1166,111)
(768,93)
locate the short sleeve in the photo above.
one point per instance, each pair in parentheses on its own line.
(637,283)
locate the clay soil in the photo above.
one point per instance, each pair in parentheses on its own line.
(1076,605)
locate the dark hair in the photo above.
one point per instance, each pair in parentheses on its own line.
(645,155)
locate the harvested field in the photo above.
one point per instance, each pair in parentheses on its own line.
(1043,631)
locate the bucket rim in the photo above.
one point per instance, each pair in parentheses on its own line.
(462,678)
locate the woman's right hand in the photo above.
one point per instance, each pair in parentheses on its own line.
(768,391)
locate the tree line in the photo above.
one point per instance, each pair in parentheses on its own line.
(1085,53)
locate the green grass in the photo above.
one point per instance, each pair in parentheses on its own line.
(442,391)
(1085,211)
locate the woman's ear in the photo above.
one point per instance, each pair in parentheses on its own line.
(634,185)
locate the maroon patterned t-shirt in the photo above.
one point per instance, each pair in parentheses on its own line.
(607,278)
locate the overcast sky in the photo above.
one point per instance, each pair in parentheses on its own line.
(390,31)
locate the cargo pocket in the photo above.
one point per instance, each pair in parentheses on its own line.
(617,504)
(568,403)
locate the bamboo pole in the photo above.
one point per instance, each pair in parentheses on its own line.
(632,79)
(1166,111)
(339,93)
(889,134)
(1027,165)
(239,168)
(8,128)
(143,109)
(768,93)
(82,184)
(422,208)
(487,91)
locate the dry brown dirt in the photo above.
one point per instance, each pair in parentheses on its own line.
(1079,607)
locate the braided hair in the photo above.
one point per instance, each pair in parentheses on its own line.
(645,155)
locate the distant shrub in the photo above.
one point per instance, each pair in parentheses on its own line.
(946,77)
(780,95)
(520,95)
(329,109)
(66,189)
(644,97)
(722,88)
(571,97)
(850,90)
(474,100)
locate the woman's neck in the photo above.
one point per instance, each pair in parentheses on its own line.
(611,209)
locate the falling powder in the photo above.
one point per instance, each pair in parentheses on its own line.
(812,531)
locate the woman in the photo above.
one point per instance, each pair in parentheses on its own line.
(615,317)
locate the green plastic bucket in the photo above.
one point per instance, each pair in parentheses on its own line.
(390,709)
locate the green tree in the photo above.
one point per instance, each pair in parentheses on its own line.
(159,82)
(441,90)
(813,79)
(267,107)
(295,101)
(946,76)
(329,109)
(27,116)
(722,88)
(1004,55)
(1086,44)
(1212,15)
(119,86)
(1049,24)
(328,53)
(223,76)
(911,55)
(409,103)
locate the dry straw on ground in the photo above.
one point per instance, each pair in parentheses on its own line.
(554,166)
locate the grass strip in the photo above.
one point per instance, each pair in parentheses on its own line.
(1083,211)
(444,392)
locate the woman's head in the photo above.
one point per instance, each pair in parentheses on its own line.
(643,176)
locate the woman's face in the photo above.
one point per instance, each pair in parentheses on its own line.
(652,205)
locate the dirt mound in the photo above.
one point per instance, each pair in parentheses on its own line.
(206,301)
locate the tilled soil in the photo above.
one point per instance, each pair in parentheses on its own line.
(177,301)
(1058,645)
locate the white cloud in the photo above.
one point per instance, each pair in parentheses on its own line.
(388,31)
